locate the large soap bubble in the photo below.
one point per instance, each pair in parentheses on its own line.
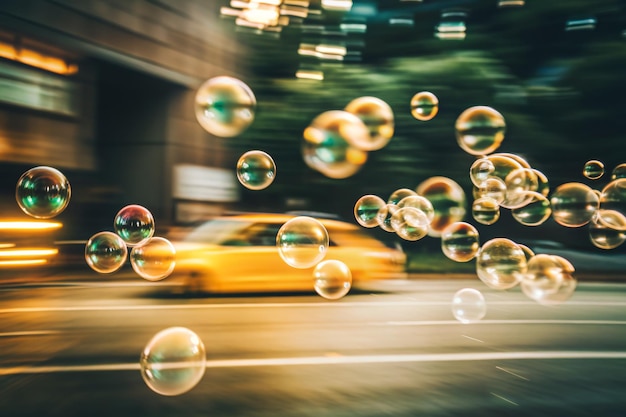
(612,205)
(448,200)
(225,106)
(43,192)
(573,204)
(302,242)
(173,361)
(366,210)
(154,259)
(332,279)
(480,130)
(460,242)
(327,145)
(105,252)
(468,305)
(501,263)
(134,224)
(256,170)
(549,279)
(378,117)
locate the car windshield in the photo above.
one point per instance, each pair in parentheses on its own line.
(217,231)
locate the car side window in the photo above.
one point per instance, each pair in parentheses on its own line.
(262,234)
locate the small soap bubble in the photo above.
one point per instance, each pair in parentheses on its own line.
(105,252)
(400,194)
(536,211)
(332,279)
(619,172)
(366,210)
(492,187)
(410,223)
(225,106)
(154,259)
(486,210)
(173,362)
(481,169)
(134,224)
(460,242)
(424,106)
(549,279)
(501,263)
(448,200)
(468,305)
(256,170)
(377,117)
(327,145)
(302,242)
(480,130)
(421,203)
(612,205)
(43,192)
(573,204)
(603,236)
(593,169)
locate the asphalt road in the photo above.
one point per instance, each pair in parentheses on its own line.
(74,350)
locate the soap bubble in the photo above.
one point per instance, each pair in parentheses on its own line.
(519,183)
(378,117)
(536,211)
(43,192)
(573,204)
(134,224)
(173,361)
(486,210)
(332,279)
(154,259)
(492,187)
(225,106)
(480,130)
(256,170)
(420,203)
(302,242)
(448,201)
(501,263)
(327,145)
(400,194)
(424,106)
(481,169)
(384,216)
(460,242)
(619,172)
(603,236)
(613,201)
(366,210)
(549,279)
(105,252)
(593,169)
(410,223)
(468,305)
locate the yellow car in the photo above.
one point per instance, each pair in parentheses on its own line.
(239,254)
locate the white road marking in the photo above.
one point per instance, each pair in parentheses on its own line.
(473,338)
(29,333)
(504,399)
(333,360)
(508,371)
(521,321)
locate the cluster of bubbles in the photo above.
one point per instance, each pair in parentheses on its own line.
(152,257)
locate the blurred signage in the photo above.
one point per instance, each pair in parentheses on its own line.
(200,183)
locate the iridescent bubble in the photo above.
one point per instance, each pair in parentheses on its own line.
(421,203)
(492,187)
(173,361)
(43,192)
(326,144)
(410,223)
(384,216)
(400,194)
(460,242)
(105,252)
(549,279)
(612,205)
(593,169)
(366,210)
(134,224)
(619,172)
(536,211)
(332,279)
(302,242)
(501,263)
(154,259)
(605,237)
(480,130)
(225,106)
(486,210)
(256,170)
(504,164)
(378,117)
(448,200)
(468,305)
(481,169)
(519,183)
(424,106)
(573,204)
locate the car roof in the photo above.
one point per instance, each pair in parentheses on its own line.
(283,217)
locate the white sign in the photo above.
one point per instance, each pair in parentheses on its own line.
(200,183)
